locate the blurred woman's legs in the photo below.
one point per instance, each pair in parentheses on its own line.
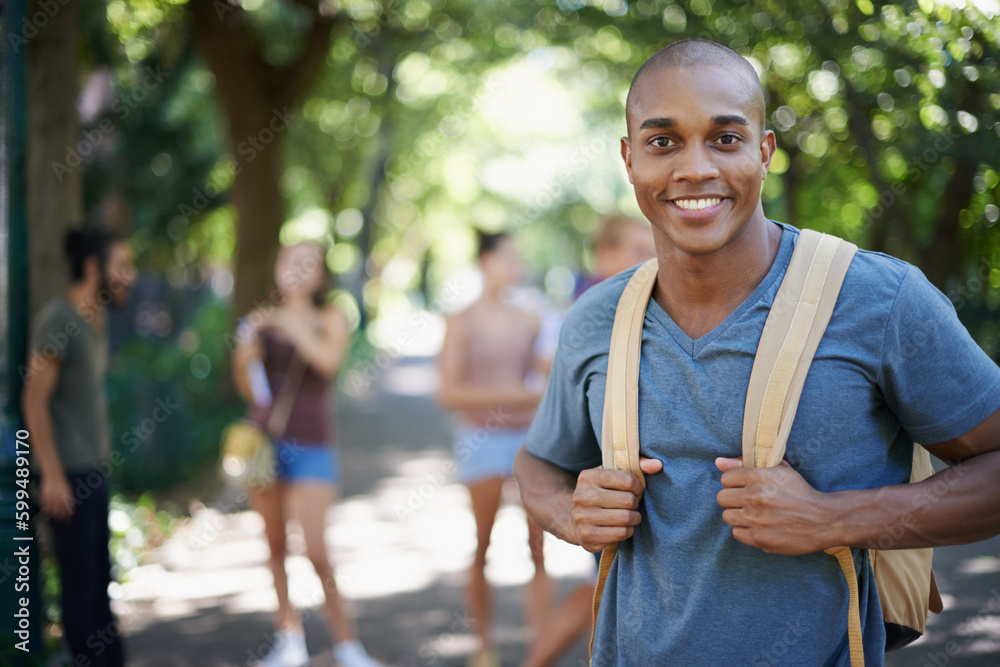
(539,597)
(289,646)
(566,624)
(485,496)
(308,501)
(269,503)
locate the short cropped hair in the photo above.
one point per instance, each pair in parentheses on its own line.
(696,51)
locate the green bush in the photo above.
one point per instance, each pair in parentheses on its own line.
(169,403)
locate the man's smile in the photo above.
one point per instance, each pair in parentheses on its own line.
(700,207)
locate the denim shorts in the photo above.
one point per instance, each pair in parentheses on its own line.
(482,454)
(297,460)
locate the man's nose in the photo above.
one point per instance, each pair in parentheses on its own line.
(695,164)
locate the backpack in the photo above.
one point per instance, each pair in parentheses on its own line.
(799,315)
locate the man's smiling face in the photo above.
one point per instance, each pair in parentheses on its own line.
(697,153)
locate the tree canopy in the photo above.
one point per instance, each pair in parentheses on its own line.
(392,128)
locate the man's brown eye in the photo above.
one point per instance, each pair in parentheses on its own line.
(728,139)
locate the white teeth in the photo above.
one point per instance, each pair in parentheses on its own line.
(697,204)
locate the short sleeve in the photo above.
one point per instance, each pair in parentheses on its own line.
(562,432)
(935,378)
(49,335)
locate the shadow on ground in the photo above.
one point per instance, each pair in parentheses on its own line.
(401,539)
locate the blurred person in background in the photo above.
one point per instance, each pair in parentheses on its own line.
(301,328)
(486,358)
(620,243)
(65,411)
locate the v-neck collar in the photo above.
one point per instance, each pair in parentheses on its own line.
(696,345)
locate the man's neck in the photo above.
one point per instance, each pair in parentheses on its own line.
(83,297)
(700,291)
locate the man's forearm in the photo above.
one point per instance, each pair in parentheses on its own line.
(38,419)
(547,494)
(955,506)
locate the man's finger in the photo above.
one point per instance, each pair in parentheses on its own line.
(650,466)
(725,464)
(730,498)
(608,518)
(735,518)
(597,497)
(736,477)
(744,535)
(614,479)
(616,499)
(596,538)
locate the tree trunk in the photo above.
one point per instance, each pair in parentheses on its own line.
(261,212)
(55,150)
(940,258)
(258,100)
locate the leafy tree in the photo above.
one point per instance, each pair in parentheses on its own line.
(416,120)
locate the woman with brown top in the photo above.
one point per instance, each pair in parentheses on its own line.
(486,357)
(300,340)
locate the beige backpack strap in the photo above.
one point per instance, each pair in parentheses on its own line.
(799,316)
(620,424)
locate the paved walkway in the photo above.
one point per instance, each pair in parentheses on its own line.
(401,539)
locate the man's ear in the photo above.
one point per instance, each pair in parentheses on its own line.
(627,157)
(768,144)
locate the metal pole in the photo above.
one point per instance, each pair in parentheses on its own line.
(16,584)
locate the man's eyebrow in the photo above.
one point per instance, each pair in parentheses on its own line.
(656,122)
(727,119)
(731,119)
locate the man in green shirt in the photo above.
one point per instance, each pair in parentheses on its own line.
(65,412)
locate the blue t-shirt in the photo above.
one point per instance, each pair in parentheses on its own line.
(894,367)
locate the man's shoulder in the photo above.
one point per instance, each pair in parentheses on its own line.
(55,313)
(874,276)
(875,280)
(870,265)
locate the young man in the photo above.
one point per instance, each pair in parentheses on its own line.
(65,412)
(723,565)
